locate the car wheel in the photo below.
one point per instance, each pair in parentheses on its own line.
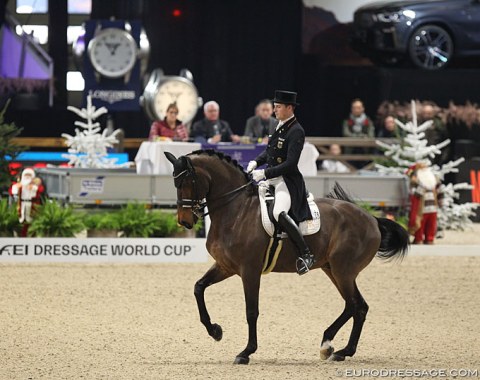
(430,47)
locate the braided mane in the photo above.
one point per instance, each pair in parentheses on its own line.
(222,157)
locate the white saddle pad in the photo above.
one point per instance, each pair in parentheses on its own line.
(308,227)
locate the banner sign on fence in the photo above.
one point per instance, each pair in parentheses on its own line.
(102,250)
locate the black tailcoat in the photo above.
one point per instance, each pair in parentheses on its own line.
(281,156)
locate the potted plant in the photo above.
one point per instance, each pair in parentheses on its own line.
(9,222)
(165,225)
(102,224)
(54,220)
(135,221)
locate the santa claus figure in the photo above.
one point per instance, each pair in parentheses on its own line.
(424,199)
(27,193)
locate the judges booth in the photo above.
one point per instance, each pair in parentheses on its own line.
(151,159)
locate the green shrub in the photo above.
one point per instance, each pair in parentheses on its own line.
(102,221)
(165,224)
(369,208)
(135,221)
(7,132)
(54,220)
(8,218)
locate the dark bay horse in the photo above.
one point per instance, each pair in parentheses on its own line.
(347,242)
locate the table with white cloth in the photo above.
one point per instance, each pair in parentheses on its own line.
(150,158)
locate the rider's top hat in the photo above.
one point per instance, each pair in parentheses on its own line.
(285,97)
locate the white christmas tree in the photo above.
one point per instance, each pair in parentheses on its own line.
(455,216)
(88,148)
(414,149)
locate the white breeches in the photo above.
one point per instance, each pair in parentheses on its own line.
(282,196)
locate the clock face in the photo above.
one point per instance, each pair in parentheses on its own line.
(113,52)
(177,90)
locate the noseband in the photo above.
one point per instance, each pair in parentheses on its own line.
(198,205)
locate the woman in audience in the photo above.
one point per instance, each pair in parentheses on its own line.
(170,128)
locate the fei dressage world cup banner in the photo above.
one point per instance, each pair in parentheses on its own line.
(102,250)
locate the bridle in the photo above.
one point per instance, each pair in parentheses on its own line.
(198,205)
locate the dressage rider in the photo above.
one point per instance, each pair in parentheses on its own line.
(281,156)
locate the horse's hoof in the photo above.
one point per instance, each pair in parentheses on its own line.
(325,353)
(241,360)
(217,332)
(337,358)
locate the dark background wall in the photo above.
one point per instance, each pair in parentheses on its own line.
(240,51)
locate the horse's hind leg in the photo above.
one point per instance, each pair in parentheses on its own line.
(213,275)
(326,349)
(355,306)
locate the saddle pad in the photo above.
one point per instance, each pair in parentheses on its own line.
(308,227)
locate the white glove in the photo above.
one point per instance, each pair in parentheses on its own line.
(258,175)
(252,165)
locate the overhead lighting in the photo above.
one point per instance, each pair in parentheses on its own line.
(75,81)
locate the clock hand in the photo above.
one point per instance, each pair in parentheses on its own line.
(112,47)
(174,95)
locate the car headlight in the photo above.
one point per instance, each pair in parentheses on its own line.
(408,13)
(389,17)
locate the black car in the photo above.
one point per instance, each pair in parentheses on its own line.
(428,32)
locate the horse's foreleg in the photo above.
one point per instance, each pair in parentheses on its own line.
(251,287)
(326,350)
(213,275)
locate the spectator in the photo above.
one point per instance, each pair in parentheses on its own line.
(436,133)
(260,126)
(211,129)
(170,127)
(358,124)
(390,129)
(333,165)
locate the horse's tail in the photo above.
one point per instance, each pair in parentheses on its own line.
(395,240)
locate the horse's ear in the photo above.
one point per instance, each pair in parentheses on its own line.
(170,157)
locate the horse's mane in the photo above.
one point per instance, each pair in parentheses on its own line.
(222,157)
(338,193)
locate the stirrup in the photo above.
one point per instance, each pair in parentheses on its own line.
(304,263)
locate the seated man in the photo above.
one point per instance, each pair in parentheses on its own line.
(260,126)
(211,129)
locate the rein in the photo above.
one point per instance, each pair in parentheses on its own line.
(197,205)
(233,192)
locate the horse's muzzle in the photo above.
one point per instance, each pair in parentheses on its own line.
(186,224)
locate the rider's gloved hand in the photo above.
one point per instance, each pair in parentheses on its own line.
(252,165)
(258,175)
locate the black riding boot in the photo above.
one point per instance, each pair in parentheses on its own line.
(305,258)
